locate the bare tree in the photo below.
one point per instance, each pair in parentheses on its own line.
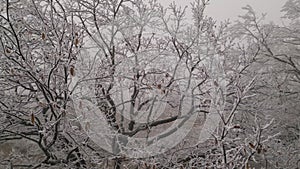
(275,96)
(82,81)
(39,44)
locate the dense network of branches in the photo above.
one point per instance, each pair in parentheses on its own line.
(147,68)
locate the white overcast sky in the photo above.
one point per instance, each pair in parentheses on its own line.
(223,9)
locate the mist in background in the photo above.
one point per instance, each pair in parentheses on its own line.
(231,9)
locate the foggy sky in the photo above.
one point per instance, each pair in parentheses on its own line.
(224,9)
